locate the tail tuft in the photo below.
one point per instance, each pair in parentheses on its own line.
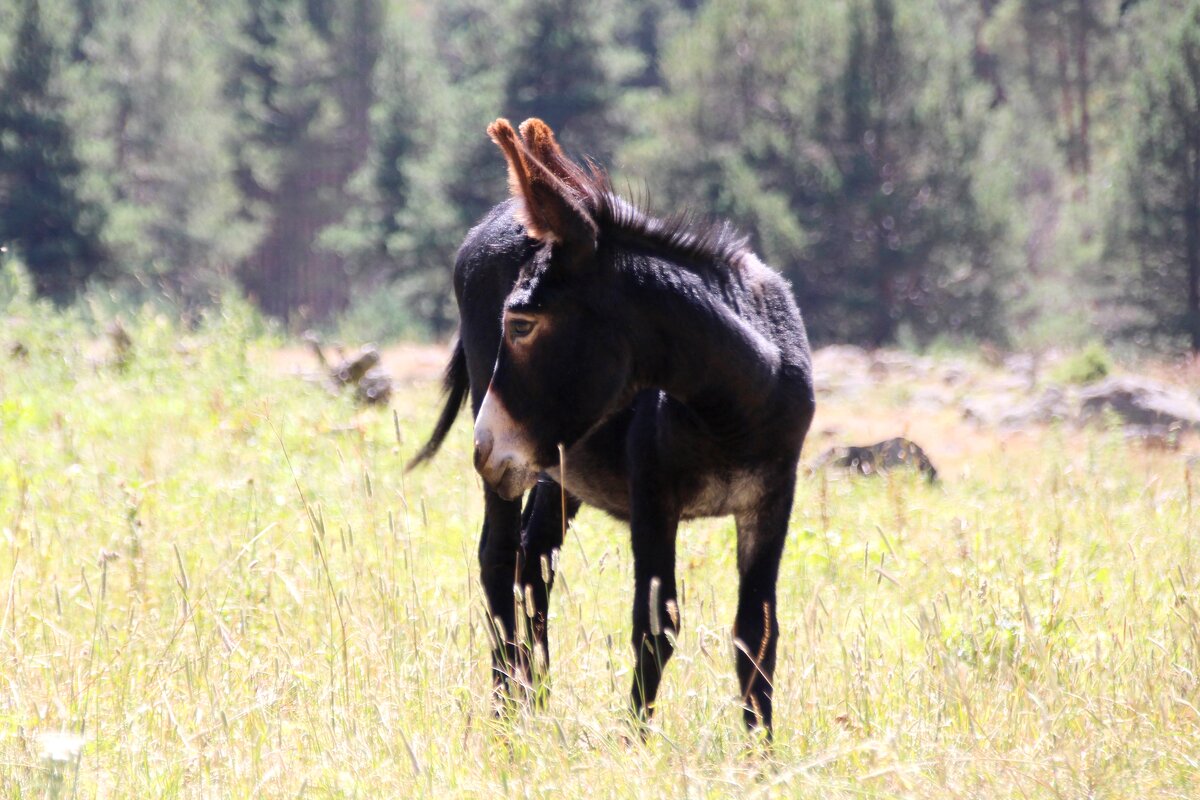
(456,385)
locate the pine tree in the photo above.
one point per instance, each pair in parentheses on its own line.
(302,90)
(42,213)
(565,69)
(473,40)
(402,231)
(845,141)
(909,243)
(145,93)
(1157,228)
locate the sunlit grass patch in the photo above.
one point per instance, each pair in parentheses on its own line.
(221,580)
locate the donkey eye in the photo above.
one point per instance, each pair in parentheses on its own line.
(520,328)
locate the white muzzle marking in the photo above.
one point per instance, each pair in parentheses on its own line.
(503,453)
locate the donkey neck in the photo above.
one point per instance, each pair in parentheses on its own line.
(691,343)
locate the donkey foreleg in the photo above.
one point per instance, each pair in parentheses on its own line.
(498,545)
(541,538)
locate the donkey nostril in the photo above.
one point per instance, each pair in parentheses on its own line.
(483,449)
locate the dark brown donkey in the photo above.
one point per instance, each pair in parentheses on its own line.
(671,366)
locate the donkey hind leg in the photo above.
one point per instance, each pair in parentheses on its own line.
(498,545)
(760,537)
(655,608)
(542,529)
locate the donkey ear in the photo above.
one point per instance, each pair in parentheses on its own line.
(552,212)
(539,138)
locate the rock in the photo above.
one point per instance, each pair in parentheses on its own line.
(842,370)
(929,397)
(977,413)
(1153,437)
(372,383)
(898,363)
(851,386)
(374,387)
(841,358)
(1000,405)
(986,409)
(955,373)
(872,459)
(352,370)
(1023,366)
(1048,407)
(314,343)
(1139,401)
(1004,382)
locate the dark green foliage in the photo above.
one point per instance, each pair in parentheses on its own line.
(147,100)
(85,24)
(1061,55)
(1157,227)
(431,171)
(392,183)
(1015,170)
(903,241)
(562,70)
(302,94)
(41,211)
(1090,364)
(472,41)
(816,131)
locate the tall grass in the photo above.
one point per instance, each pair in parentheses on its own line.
(221,580)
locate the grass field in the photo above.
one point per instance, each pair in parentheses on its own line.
(219,577)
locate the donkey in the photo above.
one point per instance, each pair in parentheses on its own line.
(655,369)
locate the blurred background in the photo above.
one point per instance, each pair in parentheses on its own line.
(1021,174)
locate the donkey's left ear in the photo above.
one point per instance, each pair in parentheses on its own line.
(552,212)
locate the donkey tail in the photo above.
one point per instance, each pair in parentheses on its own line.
(455,385)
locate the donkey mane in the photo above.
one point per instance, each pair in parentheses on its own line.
(709,247)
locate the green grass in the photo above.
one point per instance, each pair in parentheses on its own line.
(222,579)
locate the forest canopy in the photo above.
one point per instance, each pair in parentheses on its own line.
(1023,172)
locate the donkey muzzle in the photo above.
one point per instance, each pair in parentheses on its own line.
(502,451)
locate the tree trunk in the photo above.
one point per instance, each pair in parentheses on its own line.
(1083,84)
(1062,44)
(1191,226)
(984,61)
(290,274)
(1186,114)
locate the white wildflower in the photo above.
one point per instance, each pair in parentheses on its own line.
(60,747)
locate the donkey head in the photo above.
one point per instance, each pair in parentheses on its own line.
(565,359)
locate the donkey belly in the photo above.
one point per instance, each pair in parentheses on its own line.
(719,494)
(713,495)
(597,474)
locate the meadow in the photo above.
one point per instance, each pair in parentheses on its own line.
(219,580)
